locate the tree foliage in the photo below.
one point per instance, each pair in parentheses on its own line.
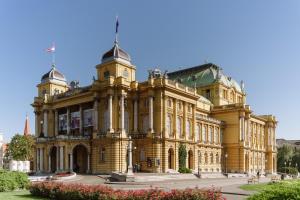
(182,156)
(287,156)
(21,147)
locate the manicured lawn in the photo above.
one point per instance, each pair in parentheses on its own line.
(16,195)
(255,187)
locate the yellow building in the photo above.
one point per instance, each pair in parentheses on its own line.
(87,129)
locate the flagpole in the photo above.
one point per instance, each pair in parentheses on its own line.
(117,27)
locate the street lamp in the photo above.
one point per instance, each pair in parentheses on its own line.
(285,167)
(226,156)
(41,122)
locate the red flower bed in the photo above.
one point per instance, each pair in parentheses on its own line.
(62,191)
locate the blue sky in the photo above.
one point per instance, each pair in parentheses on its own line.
(255,41)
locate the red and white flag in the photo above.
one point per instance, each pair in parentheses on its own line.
(51,49)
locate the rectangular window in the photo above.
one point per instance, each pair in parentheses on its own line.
(88,117)
(75,120)
(62,122)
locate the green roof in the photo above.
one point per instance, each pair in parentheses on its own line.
(203,75)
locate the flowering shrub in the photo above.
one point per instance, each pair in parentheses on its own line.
(62,191)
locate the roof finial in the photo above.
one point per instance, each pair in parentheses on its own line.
(117,30)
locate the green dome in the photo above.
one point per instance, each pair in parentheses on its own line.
(203,75)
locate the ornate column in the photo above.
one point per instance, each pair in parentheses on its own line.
(175,119)
(194,125)
(184,123)
(110,127)
(68,121)
(129,168)
(151,114)
(56,122)
(41,159)
(135,118)
(37,123)
(61,157)
(80,120)
(45,123)
(49,163)
(71,162)
(37,159)
(96,115)
(57,158)
(88,163)
(121,120)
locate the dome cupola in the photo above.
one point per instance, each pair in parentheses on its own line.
(116,53)
(53,76)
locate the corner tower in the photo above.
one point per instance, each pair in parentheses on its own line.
(116,63)
(53,82)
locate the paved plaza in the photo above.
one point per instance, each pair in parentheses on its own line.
(229,186)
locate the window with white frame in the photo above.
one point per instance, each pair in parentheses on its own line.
(216,136)
(169,125)
(102,155)
(210,133)
(204,130)
(189,128)
(197,132)
(179,125)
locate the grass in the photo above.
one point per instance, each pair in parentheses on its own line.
(255,187)
(17,195)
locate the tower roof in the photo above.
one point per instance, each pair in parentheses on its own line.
(204,75)
(27,127)
(116,53)
(53,75)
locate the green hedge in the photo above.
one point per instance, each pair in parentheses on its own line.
(289,170)
(184,170)
(10,180)
(279,191)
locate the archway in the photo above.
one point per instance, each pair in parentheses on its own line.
(80,155)
(191,159)
(171,162)
(53,159)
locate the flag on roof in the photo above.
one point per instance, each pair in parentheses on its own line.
(51,49)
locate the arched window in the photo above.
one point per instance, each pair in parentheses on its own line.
(102,154)
(179,125)
(211,158)
(199,157)
(216,136)
(206,158)
(197,132)
(169,125)
(210,134)
(217,158)
(188,129)
(204,129)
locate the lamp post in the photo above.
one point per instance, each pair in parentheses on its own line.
(285,167)
(42,134)
(226,156)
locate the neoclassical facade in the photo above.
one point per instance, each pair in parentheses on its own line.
(87,129)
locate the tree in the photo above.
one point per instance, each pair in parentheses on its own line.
(285,154)
(182,156)
(21,147)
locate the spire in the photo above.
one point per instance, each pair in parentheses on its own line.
(117,30)
(27,127)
